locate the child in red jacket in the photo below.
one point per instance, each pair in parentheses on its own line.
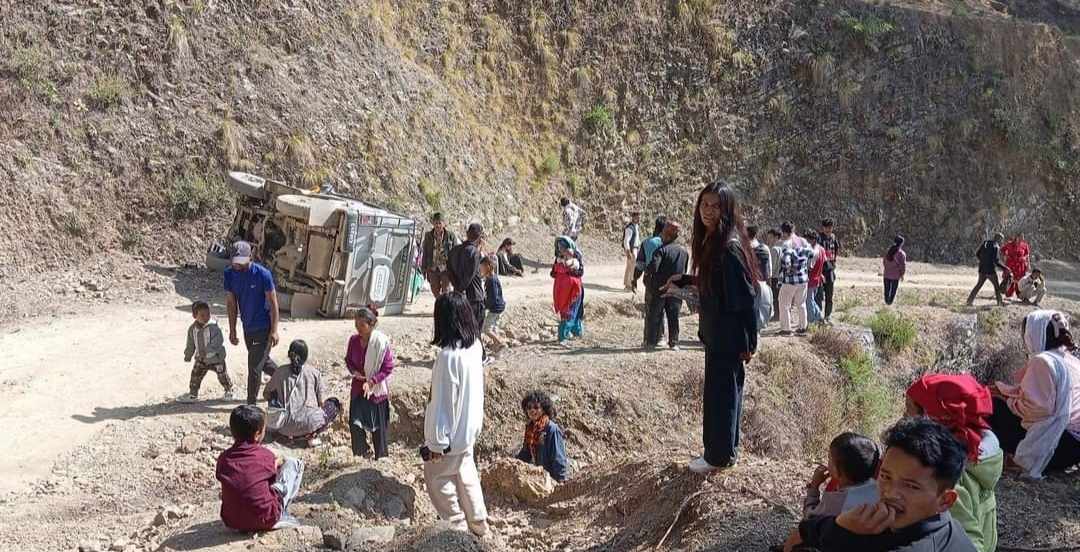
(256,487)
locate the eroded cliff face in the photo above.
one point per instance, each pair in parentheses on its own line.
(941,122)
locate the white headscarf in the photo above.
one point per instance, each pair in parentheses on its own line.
(1038,446)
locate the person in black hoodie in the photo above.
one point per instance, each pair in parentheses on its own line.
(670,259)
(989,255)
(917,480)
(725,274)
(464,267)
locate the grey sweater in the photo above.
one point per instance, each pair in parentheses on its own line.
(205,343)
(302,395)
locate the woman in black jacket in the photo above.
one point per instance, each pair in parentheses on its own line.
(725,275)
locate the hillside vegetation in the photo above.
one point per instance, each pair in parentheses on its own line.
(938,119)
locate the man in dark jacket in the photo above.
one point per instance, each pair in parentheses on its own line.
(989,255)
(464,267)
(668,260)
(436,251)
(918,476)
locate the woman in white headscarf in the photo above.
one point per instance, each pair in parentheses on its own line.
(1037,420)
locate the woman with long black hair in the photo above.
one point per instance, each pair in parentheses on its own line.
(895,265)
(726,279)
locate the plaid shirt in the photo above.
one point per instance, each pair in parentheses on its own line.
(793,265)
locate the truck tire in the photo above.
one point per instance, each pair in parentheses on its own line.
(298,206)
(248,185)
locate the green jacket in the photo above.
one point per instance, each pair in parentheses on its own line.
(976,506)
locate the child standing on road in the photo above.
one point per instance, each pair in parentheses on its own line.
(206,344)
(494,304)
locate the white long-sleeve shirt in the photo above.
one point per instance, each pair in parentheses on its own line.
(455,414)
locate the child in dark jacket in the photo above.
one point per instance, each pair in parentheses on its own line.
(494,304)
(543,443)
(256,487)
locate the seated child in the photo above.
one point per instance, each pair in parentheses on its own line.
(853,465)
(206,344)
(543,443)
(255,493)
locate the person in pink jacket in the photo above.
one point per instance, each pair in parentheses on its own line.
(895,264)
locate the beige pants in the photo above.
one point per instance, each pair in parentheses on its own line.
(454,485)
(628,276)
(792,297)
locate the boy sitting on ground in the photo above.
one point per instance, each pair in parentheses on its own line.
(256,487)
(494,304)
(852,471)
(922,463)
(206,344)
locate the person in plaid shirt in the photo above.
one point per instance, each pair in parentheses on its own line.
(793,279)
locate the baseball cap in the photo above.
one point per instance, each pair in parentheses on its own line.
(241,252)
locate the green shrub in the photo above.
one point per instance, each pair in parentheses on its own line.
(431,195)
(868,403)
(598,119)
(73,225)
(548,166)
(194,196)
(991,322)
(107,91)
(892,331)
(868,29)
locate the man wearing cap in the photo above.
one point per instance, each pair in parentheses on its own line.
(249,292)
(436,247)
(630,243)
(464,265)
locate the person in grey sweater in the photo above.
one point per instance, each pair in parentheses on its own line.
(206,344)
(295,396)
(853,464)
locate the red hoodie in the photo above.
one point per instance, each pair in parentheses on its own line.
(817,270)
(246,471)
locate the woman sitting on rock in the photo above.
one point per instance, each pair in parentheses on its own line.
(295,394)
(509,262)
(962,405)
(1038,419)
(543,445)
(370,361)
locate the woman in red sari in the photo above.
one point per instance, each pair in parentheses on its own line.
(1016,253)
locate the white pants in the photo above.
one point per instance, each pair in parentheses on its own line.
(454,485)
(792,296)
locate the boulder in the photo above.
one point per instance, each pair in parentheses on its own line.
(191,443)
(514,478)
(368,535)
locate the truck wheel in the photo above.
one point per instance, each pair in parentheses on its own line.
(248,185)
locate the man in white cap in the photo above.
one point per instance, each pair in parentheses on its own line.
(249,292)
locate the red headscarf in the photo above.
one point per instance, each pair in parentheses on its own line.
(957,402)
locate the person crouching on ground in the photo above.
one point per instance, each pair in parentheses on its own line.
(256,487)
(962,404)
(494,304)
(298,390)
(1032,288)
(917,480)
(206,344)
(370,361)
(544,444)
(568,291)
(454,417)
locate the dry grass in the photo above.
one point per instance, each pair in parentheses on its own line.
(780,105)
(231,143)
(299,151)
(822,69)
(108,91)
(179,43)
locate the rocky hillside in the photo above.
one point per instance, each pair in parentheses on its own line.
(938,119)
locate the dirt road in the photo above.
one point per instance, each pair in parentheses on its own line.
(64,376)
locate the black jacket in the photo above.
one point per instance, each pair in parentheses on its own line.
(989,255)
(428,248)
(668,260)
(727,319)
(464,266)
(940,533)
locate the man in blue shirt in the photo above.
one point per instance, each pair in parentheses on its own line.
(249,292)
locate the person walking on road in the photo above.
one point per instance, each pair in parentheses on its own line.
(436,254)
(725,275)
(251,296)
(989,255)
(631,243)
(573,218)
(895,266)
(670,259)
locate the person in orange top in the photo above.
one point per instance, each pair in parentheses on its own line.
(1017,257)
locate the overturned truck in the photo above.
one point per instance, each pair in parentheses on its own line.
(329,254)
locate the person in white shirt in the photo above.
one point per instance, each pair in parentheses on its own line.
(630,243)
(573,218)
(454,417)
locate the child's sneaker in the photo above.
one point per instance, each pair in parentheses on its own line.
(187,398)
(228,396)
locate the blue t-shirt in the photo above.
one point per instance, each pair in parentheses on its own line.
(250,287)
(650,246)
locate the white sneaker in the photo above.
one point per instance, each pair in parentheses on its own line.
(187,398)
(564,343)
(701,466)
(314,442)
(228,396)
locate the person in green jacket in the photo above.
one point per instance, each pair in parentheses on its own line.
(962,404)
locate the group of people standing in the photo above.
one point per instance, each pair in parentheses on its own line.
(1018,277)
